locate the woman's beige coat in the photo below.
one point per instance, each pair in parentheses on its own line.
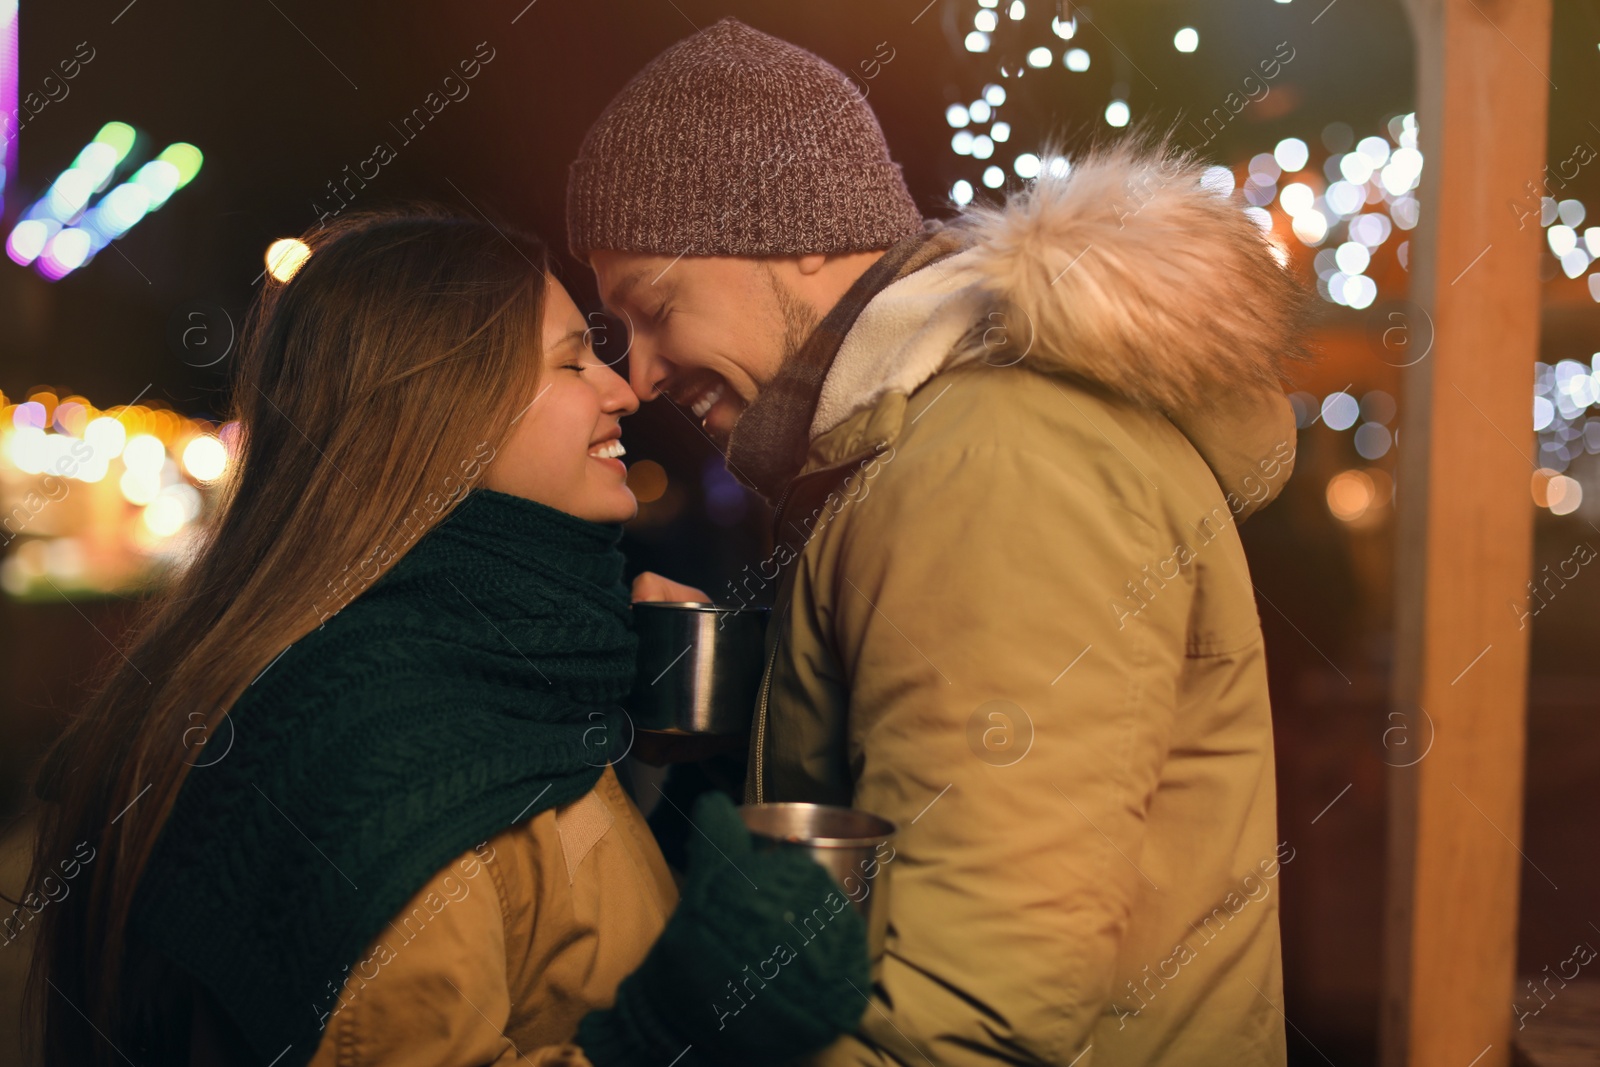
(504,950)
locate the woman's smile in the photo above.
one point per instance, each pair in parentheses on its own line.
(610,452)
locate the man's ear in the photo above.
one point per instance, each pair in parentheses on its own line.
(812,263)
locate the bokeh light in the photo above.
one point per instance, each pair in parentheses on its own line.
(1349,495)
(1555,491)
(285,256)
(1340,410)
(204,458)
(647,480)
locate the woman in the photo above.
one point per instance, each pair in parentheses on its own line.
(346,798)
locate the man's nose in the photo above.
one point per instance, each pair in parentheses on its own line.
(646,371)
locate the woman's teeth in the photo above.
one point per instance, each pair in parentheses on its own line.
(704,404)
(610,450)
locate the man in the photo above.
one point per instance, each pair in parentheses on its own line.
(1008,457)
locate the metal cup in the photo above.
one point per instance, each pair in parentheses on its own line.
(699,667)
(853,845)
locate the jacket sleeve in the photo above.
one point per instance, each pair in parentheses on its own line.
(432,991)
(1011,713)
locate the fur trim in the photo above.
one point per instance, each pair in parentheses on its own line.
(1129,272)
(909,332)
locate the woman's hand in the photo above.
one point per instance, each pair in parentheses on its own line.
(651,586)
(763,961)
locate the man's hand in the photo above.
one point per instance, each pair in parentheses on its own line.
(651,586)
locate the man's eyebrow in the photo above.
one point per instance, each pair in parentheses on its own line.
(626,286)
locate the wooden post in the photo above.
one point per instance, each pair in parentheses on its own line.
(1455,737)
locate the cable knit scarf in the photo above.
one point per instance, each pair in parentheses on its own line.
(474,685)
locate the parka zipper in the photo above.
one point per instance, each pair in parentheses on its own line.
(759,735)
(759,740)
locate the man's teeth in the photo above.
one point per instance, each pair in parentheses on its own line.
(610,450)
(703,405)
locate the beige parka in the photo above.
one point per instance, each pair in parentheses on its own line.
(1015,617)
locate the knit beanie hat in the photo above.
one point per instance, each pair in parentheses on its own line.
(735,143)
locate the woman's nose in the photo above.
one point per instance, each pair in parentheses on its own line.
(616,394)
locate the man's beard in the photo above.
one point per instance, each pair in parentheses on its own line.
(800,320)
(799,317)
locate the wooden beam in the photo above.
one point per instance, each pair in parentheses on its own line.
(1456,729)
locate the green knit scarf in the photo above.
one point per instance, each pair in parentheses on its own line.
(472,686)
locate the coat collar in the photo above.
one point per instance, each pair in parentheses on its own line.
(770,442)
(1123,269)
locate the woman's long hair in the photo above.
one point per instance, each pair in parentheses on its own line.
(372,390)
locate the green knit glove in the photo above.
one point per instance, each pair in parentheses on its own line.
(763,961)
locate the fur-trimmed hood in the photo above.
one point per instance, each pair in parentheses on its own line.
(1124,270)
